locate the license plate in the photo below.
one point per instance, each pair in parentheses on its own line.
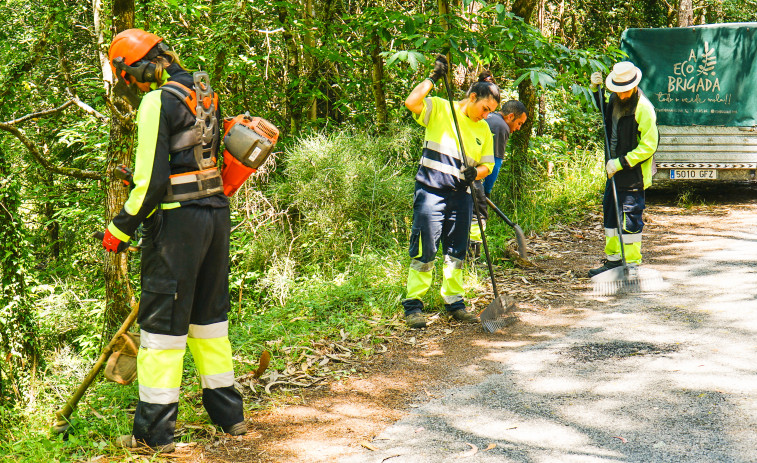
(693,174)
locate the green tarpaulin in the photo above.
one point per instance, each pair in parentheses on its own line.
(702,75)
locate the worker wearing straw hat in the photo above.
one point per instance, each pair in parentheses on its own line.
(631,126)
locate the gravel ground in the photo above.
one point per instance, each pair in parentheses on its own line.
(662,377)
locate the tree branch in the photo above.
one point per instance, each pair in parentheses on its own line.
(87,108)
(43,113)
(37,154)
(263,31)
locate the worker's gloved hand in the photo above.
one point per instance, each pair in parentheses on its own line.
(477,190)
(470,173)
(113,244)
(596,80)
(440,68)
(124,174)
(612,167)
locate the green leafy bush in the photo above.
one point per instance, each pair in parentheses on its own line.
(349,192)
(340,195)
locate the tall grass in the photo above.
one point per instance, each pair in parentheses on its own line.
(341,195)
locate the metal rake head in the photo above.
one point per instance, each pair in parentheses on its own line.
(625,280)
(493,325)
(495,316)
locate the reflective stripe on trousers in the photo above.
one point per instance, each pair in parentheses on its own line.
(632,205)
(419,281)
(631,246)
(211,350)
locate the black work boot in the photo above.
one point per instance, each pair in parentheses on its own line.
(606,265)
(464,316)
(128,441)
(415,320)
(238,429)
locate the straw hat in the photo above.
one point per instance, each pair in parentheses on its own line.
(624,77)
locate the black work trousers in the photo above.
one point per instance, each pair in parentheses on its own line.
(185,301)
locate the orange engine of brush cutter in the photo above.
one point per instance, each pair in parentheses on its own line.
(248,143)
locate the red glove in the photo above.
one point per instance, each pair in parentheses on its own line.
(113,244)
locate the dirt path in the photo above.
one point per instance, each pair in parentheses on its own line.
(353,419)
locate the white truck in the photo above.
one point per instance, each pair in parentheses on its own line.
(702,81)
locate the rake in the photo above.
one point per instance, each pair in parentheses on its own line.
(624,279)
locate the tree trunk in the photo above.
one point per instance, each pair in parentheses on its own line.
(329,71)
(219,63)
(542,126)
(310,62)
(443,6)
(685,13)
(293,72)
(378,82)
(525,9)
(118,292)
(542,101)
(519,161)
(53,226)
(19,348)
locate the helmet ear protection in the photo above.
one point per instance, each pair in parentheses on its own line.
(142,70)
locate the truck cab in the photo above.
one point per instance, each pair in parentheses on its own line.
(702,81)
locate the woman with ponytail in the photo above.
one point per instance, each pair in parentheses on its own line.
(442,205)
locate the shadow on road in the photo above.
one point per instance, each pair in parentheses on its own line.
(658,377)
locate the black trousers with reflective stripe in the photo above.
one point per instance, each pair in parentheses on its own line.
(185,280)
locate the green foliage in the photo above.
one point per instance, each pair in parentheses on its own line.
(546,63)
(319,244)
(600,23)
(723,11)
(569,121)
(19,350)
(348,192)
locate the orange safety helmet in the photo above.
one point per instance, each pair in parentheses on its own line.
(132,45)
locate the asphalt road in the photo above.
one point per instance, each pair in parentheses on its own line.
(662,377)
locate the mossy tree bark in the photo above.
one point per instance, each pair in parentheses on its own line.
(118,292)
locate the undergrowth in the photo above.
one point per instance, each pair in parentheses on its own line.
(319,251)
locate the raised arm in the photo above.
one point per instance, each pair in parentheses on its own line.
(414,101)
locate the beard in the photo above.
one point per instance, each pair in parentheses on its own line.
(625,105)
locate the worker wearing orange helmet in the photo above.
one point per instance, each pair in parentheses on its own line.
(178,197)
